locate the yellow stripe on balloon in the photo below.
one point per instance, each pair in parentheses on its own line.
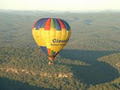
(36,36)
(63,34)
(68,33)
(63,37)
(43,38)
(47,38)
(58,36)
(52,36)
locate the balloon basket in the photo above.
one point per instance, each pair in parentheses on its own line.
(50,63)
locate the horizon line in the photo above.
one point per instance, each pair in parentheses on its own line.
(109,10)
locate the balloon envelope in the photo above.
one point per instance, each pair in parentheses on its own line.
(51,35)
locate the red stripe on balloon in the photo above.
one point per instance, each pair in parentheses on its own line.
(47,24)
(49,52)
(61,24)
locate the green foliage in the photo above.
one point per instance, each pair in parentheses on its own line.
(90,60)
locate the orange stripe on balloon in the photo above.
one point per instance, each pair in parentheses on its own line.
(61,23)
(47,24)
(49,52)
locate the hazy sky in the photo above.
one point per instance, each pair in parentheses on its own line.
(66,5)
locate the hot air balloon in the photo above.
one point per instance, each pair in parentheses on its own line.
(51,35)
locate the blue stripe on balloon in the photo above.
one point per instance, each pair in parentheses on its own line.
(43,23)
(66,25)
(58,26)
(44,49)
(38,24)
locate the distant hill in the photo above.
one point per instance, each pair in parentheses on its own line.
(113,60)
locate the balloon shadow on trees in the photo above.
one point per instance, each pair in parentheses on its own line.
(96,71)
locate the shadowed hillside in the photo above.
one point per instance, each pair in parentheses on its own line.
(7,84)
(96,72)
